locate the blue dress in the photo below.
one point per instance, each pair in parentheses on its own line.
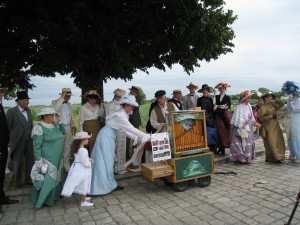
(294,118)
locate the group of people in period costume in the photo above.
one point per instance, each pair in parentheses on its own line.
(106,136)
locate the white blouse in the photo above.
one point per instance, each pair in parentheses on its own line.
(89,112)
(242,114)
(112,107)
(119,120)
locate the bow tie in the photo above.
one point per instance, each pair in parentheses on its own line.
(24,110)
(192,95)
(65,102)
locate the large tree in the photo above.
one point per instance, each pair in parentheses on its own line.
(95,40)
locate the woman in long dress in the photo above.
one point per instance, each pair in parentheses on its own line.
(222,117)
(47,172)
(103,155)
(271,131)
(242,145)
(120,150)
(90,116)
(293,108)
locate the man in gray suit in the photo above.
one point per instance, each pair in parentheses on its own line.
(20,125)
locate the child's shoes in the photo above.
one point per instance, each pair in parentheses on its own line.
(86,204)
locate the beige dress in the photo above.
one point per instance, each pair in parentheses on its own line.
(271,131)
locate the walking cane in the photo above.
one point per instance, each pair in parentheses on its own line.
(294,210)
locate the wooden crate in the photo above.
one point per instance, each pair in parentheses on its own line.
(188,131)
(156,170)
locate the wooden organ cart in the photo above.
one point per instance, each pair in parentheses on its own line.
(191,158)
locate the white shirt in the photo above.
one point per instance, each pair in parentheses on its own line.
(89,112)
(153,117)
(119,121)
(24,112)
(65,114)
(112,107)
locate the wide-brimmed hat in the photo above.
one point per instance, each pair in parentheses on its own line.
(67,90)
(192,85)
(269,93)
(119,92)
(128,99)
(244,94)
(205,86)
(134,88)
(159,93)
(93,93)
(222,85)
(176,91)
(22,95)
(290,87)
(82,135)
(46,111)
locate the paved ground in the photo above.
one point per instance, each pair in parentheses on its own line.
(260,193)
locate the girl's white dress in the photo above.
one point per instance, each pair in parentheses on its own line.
(80,175)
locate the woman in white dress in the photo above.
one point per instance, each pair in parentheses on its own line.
(80,174)
(103,155)
(120,150)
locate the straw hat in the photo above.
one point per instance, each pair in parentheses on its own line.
(22,95)
(244,95)
(222,85)
(93,93)
(82,135)
(205,86)
(46,111)
(192,85)
(176,91)
(119,92)
(269,93)
(134,88)
(67,90)
(128,99)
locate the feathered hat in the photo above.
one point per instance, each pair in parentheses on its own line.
(222,85)
(289,87)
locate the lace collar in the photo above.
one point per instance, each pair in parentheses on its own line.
(47,125)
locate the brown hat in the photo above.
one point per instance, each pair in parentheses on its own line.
(244,94)
(176,91)
(192,85)
(134,88)
(67,90)
(119,92)
(266,94)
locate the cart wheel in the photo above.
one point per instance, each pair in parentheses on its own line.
(181,186)
(167,182)
(204,181)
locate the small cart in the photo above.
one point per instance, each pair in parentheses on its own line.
(191,159)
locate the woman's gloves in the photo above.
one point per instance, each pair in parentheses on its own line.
(146,138)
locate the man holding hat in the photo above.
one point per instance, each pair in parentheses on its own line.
(4,140)
(20,124)
(174,104)
(190,100)
(64,108)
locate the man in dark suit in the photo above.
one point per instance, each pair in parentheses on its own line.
(20,126)
(4,134)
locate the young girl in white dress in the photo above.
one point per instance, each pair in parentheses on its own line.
(80,174)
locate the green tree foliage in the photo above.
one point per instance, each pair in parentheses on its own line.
(263,90)
(94,41)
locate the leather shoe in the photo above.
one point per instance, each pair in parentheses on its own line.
(7,201)
(119,188)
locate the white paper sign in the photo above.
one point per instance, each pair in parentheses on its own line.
(161,149)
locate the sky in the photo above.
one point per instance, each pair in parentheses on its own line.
(266,54)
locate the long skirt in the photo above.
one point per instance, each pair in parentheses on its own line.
(223,132)
(92,127)
(103,154)
(294,136)
(237,152)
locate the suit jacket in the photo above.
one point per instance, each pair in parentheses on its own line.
(135,117)
(188,103)
(4,131)
(56,104)
(17,125)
